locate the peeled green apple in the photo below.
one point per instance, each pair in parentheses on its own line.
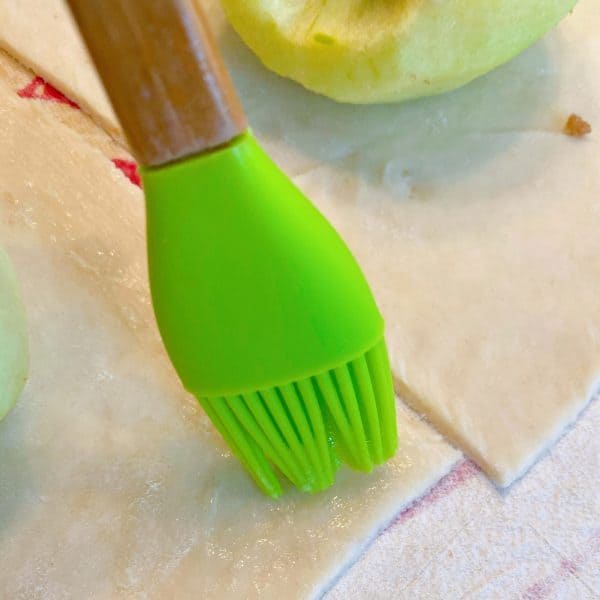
(365,51)
(14,356)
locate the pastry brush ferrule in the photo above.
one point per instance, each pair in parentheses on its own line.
(264,312)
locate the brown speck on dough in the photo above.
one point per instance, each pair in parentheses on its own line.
(576,126)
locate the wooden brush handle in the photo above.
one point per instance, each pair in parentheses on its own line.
(164,75)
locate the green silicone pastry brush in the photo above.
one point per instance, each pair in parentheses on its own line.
(263,310)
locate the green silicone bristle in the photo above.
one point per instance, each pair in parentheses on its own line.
(306,428)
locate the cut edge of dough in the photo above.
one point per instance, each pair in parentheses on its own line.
(561,427)
(461,443)
(362,546)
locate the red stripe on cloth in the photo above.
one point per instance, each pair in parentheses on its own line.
(129,169)
(544,587)
(461,474)
(38,89)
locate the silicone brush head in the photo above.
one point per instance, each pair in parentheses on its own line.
(262,308)
(305,427)
(267,318)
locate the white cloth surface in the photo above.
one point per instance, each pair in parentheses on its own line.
(540,539)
